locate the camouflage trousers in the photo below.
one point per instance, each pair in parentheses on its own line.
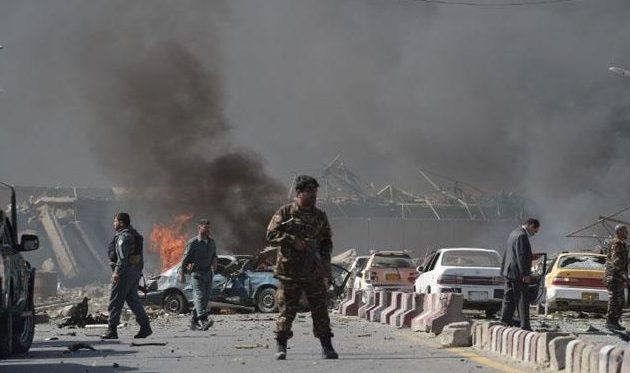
(288,298)
(615,299)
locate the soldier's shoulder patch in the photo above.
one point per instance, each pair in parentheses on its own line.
(120,240)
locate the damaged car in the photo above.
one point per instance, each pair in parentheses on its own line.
(246,284)
(239,282)
(575,281)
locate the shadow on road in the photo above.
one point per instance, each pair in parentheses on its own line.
(61,368)
(59,350)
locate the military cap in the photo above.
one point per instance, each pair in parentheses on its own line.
(304,181)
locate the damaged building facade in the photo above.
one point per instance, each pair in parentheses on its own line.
(75,224)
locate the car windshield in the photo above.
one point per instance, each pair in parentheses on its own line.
(593,262)
(391,261)
(470,258)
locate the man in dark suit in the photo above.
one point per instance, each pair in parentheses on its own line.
(516,268)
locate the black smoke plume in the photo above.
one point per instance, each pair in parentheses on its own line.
(160,124)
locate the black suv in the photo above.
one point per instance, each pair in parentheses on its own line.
(17,279)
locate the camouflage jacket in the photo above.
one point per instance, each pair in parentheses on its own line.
(293,264)
(617,261)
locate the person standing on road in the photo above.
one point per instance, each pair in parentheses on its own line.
(517,268)
(200,259)
(616,277)
(125,253)
(303,265)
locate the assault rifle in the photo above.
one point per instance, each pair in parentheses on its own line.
(299,229)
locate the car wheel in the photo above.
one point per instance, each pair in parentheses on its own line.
(266,300)
(6,329)
(24,330)
(174,302)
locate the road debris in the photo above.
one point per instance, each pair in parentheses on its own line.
(136,344)
(250,346)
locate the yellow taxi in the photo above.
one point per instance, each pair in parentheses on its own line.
(575,281)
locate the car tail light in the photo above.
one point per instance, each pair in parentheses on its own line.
(579,282)
(470,280)
(412,277)
(450,280)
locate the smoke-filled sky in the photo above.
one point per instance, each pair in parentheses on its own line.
(506,98)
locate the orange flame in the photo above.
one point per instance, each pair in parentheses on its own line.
(169,241)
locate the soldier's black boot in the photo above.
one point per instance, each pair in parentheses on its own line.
(205,323)
(281,353)
(614,325)
(328,352)
(194,323)
(111,334)
(145,331)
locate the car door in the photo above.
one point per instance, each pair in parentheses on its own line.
(424,280)
(432,273)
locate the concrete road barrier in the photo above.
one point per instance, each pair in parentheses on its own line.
(383,302)
(428,306)
(405,305)
(373,298)
(351,306)
(395,303)
(456,334)
(417,307)
(439,310)
(558,352)
(522,345)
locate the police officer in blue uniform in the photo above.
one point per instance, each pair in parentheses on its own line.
(127,262)
(200,259)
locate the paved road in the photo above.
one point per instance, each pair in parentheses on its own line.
(238,343)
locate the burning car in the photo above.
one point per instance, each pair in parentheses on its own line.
(472,272)
(575,281)
(245,283)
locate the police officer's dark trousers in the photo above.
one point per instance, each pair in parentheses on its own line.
(126,290)
(516,297)
(201,285)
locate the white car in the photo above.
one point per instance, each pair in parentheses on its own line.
(355,271)
(474,273)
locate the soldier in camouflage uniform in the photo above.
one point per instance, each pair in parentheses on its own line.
(303,264)
(616,277)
